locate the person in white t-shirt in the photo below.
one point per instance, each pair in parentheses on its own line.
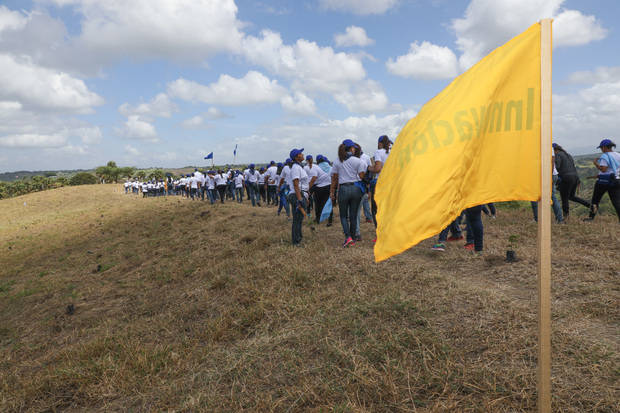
(220,184)
(251,176)
(283,188)
(383,150)
(261,184)
(271,184)
(297,180)
(347,173)
(320,182)
(366,198)
(608,179)
(210,183)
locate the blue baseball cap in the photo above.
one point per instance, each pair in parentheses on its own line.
(308,157)
(295,152)
(279,165)
(554,145)
(384,137)
(251,166)
(272,163)
(606,143)
(348,143)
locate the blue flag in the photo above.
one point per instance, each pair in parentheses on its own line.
(235,151)
(209,156)
(327,210)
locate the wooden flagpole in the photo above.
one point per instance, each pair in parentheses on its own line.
(544,222)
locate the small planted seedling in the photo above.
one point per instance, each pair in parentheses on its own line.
(511,255)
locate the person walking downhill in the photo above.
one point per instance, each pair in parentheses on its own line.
(298,180)
(381,154)
(251,183)
(220,184)
(568,178)
(320,182)
(239,186)
(608,179)
(347,173)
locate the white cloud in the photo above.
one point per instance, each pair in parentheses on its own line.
(33,141)
(299,104)
(214,113)
(193,122)
(11,20)
(353,36)
(131,150)
(89,136)
(425,61)
(253,88)
(159,106)
(602,74)
(362,7)
(489,23)
(38,87)
(366,97)
(185,29)
(572,28)
(309,66)
(136,128)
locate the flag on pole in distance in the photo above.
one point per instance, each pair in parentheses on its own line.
(327,210)
(477,141)
(235,151)
(209,156)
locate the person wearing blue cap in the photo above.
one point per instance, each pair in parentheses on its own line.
(220,184)
(282,191)
(608,179)
(319,186)
(283,187)
(297,180)
(347,174)
(381,154)
(568,179)
(251,184)
(239,181)
(262,190)
(311,171)
(271,184)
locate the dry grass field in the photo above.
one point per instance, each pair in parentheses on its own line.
(184,306)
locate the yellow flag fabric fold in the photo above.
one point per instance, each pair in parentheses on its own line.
(477,141)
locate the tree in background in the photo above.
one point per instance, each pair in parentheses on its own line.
(127,172)
(156,174)
(83,178)
(141,174)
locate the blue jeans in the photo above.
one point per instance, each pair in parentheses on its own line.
(349,198)
(211,195)
(454,228)
(366,206)
(475,230)
(254,194)
(283,201)
(298,218)
(557,208)
(239,194)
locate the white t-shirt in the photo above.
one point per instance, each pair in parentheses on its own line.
(261,179)
(239,181)
(349,170)
(323,179)
(284,173)
(251,176)
(366,159)
(210,182)
(381,156)
(603,161)
(193,182)
(220,179)
(297,172)
(271,174)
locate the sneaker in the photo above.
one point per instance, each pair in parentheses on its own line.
(358,238)
(329,224)
(452,238)
(469,246)
(438,247)
(347,242)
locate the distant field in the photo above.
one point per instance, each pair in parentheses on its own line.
(184,306)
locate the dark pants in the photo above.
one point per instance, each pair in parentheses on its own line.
(474,226)
(271,194)
(349,198)
(568,188)
(321,195)
(373,204)
(454,228)
(597,195)
(239,194)
(298,218)
(489,209)
(221,190)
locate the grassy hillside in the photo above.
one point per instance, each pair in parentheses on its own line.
(181,306)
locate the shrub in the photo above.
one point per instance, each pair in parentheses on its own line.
(83,178)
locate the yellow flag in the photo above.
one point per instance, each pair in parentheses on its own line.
(477,141)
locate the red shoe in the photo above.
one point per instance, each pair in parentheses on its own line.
(452,238)
(469,247)
(374,241)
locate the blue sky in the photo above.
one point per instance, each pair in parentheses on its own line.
(165,82)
